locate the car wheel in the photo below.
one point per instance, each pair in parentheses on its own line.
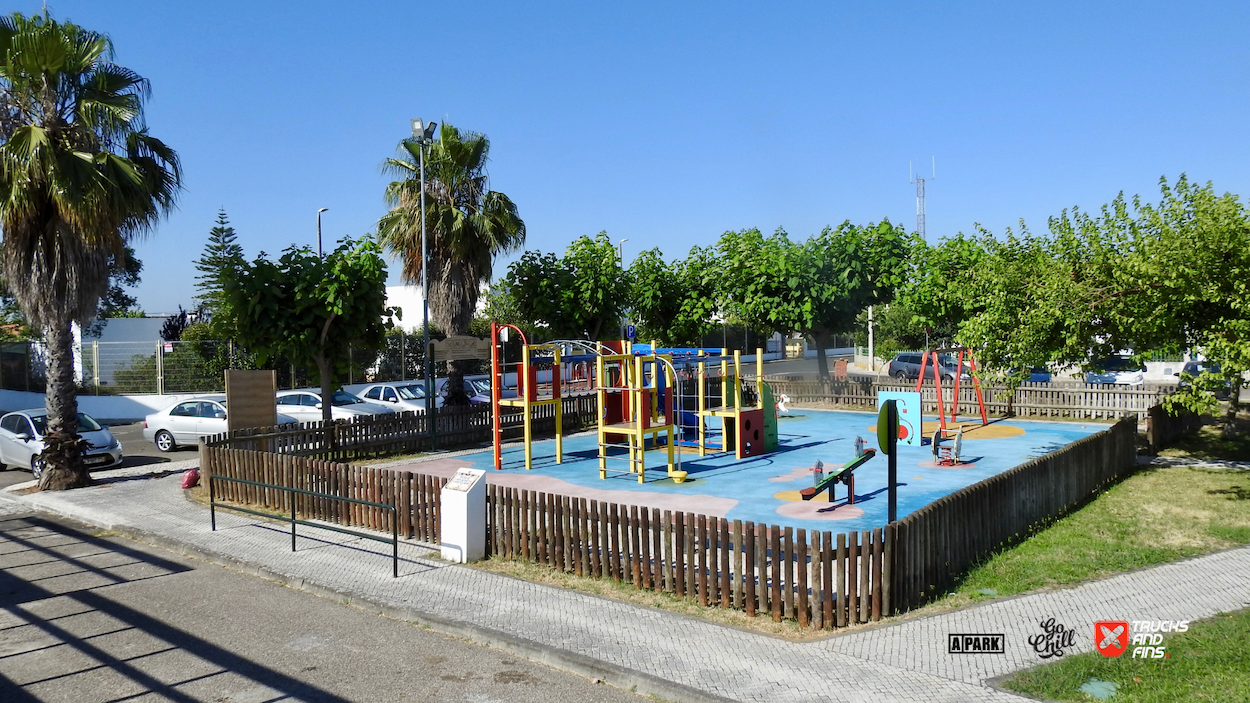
(36,466)
(165,441)
(947,379)
(900,376)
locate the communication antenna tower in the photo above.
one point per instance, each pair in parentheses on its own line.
(920,195)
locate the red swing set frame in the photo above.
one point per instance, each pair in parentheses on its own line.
(937,380)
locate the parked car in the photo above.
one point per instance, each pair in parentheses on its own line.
(305,406)
(1033,374)
(185,422)
(906,366)
(1194,369)
(401,396)
(1120,370)
(478,389)
(21,441)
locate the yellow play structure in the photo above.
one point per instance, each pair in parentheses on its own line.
(640,400)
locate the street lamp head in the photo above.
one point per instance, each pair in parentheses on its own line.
(423,131)
(322,210)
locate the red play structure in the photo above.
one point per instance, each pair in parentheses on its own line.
(937,380)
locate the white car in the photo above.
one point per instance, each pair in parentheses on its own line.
(409,395)
(21,441)
(1120,370)
(185,422)
(305,406)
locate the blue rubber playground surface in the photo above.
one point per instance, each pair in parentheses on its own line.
(765,489)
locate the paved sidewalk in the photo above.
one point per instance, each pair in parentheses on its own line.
(1186,461)
(670,655)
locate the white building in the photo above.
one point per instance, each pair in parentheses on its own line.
(409,301)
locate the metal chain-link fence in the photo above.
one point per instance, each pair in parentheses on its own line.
(132,368)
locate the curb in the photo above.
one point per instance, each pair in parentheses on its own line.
(599,671)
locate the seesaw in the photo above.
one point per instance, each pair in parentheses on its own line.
(844,474)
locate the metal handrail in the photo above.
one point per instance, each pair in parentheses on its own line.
(394,540)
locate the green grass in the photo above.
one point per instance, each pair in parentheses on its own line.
(1154,516)
(1209,662)
(1209,442)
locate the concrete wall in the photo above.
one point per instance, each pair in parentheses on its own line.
(108,409)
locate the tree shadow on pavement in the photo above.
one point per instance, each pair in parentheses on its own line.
(55,577)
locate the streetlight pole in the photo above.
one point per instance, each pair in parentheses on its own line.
(423,134)
(319,230)
(620,252)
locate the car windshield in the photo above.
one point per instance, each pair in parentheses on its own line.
(1198,367)
(413,392)
(1117,363)
(345,398)
(480,387)
(85,423)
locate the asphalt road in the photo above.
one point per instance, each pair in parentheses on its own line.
(93,618)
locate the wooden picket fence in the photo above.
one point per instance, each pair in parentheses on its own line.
(1040,400)
(415,496)
(820,580)
(1164,427)
(939,543)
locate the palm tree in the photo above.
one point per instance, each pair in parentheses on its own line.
(468,225)
(79,178)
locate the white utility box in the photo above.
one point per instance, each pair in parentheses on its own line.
(464,516)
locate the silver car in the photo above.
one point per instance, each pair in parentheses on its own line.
(401,396)
(305,406)
(21,441)
(185,422)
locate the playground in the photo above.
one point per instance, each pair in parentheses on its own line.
(693,430)
(766,488)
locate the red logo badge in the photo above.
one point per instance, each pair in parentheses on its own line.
(1111,637)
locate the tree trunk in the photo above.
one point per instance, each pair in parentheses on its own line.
(456,395)
(62,453)
(1229,429)
(327,386)
(822,362)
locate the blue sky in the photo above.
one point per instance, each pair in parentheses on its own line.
(669,123)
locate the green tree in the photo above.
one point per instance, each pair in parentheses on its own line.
(468,225)
(124,273)
(675,303)
(1130,276)
(940,292)
(79,177)
(221,255)
(580,295)
(816,288)
(310,310)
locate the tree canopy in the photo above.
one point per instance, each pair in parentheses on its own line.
(579,295)
(675,303)
(221,255)
(467,223)
(818,287)
(311,310)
